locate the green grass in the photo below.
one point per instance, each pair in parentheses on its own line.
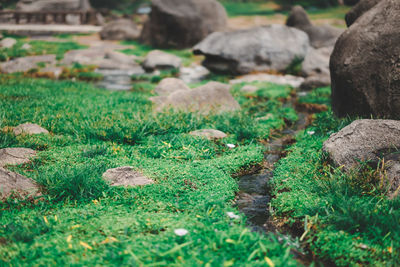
(38,48)
(83,221)
(347,218)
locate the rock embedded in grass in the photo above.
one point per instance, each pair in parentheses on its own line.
(210,134)
(159,60)
(266,48)
(169,85)
(211,97)
(11,182)
(367,141)
(29,128)
(290,80)
(249,89)
(7,43)
(24,64)
(126,176)
(15,156)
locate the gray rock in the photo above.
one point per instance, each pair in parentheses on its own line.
(52,71)
(53,5)
(122,29)
(366,141)
(29,128)
(212,97)
(210,134)
(267,48)
(126,176)
(359,9)
(160,60)
(24,64)
(290,80)
(11,182)
(182,23)
(169,85)
(316,81)
(365,65)
(26,46)
(15,156)
(7,42)
(320,36)
(316,61)
(193,74)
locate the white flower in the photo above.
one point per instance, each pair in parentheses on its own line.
(311,132)
(231,145)
(181,232)
(232,215)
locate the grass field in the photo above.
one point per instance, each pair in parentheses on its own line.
(83,221)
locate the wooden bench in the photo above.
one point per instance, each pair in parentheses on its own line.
(46,17)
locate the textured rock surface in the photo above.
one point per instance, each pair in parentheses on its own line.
(265,48)
(359,9)
(26,63)
(182,23)
(210,134)
(365,65)
(157,59)
(15,156)
(368,141)
(320,36)
(122,29)
(365,140)
(169,85)
(126,176)
(11,182)
(316,61)
(213,96)
(29,128)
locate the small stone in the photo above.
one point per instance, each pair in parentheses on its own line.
(181,232)
(210,134)
(169,85)
(290,80)
(249,89)
(29,128)
(26,46)
(126,176)
(157,59)
(8,42)
(11,182)
(15,156)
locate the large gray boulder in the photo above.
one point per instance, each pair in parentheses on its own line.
(182,23)
(367,141)
(161,60)
(122,29)
(14,183)
(320,36)
(212,97)
(359,9)
(267,48)
(365,65)
(53,5)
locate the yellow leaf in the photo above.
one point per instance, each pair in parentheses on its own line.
(75,226)
(229,263)
(85,245)
(230,241)
(45,220)
(269,262)
(390,249)
(69,238)
(55,218)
